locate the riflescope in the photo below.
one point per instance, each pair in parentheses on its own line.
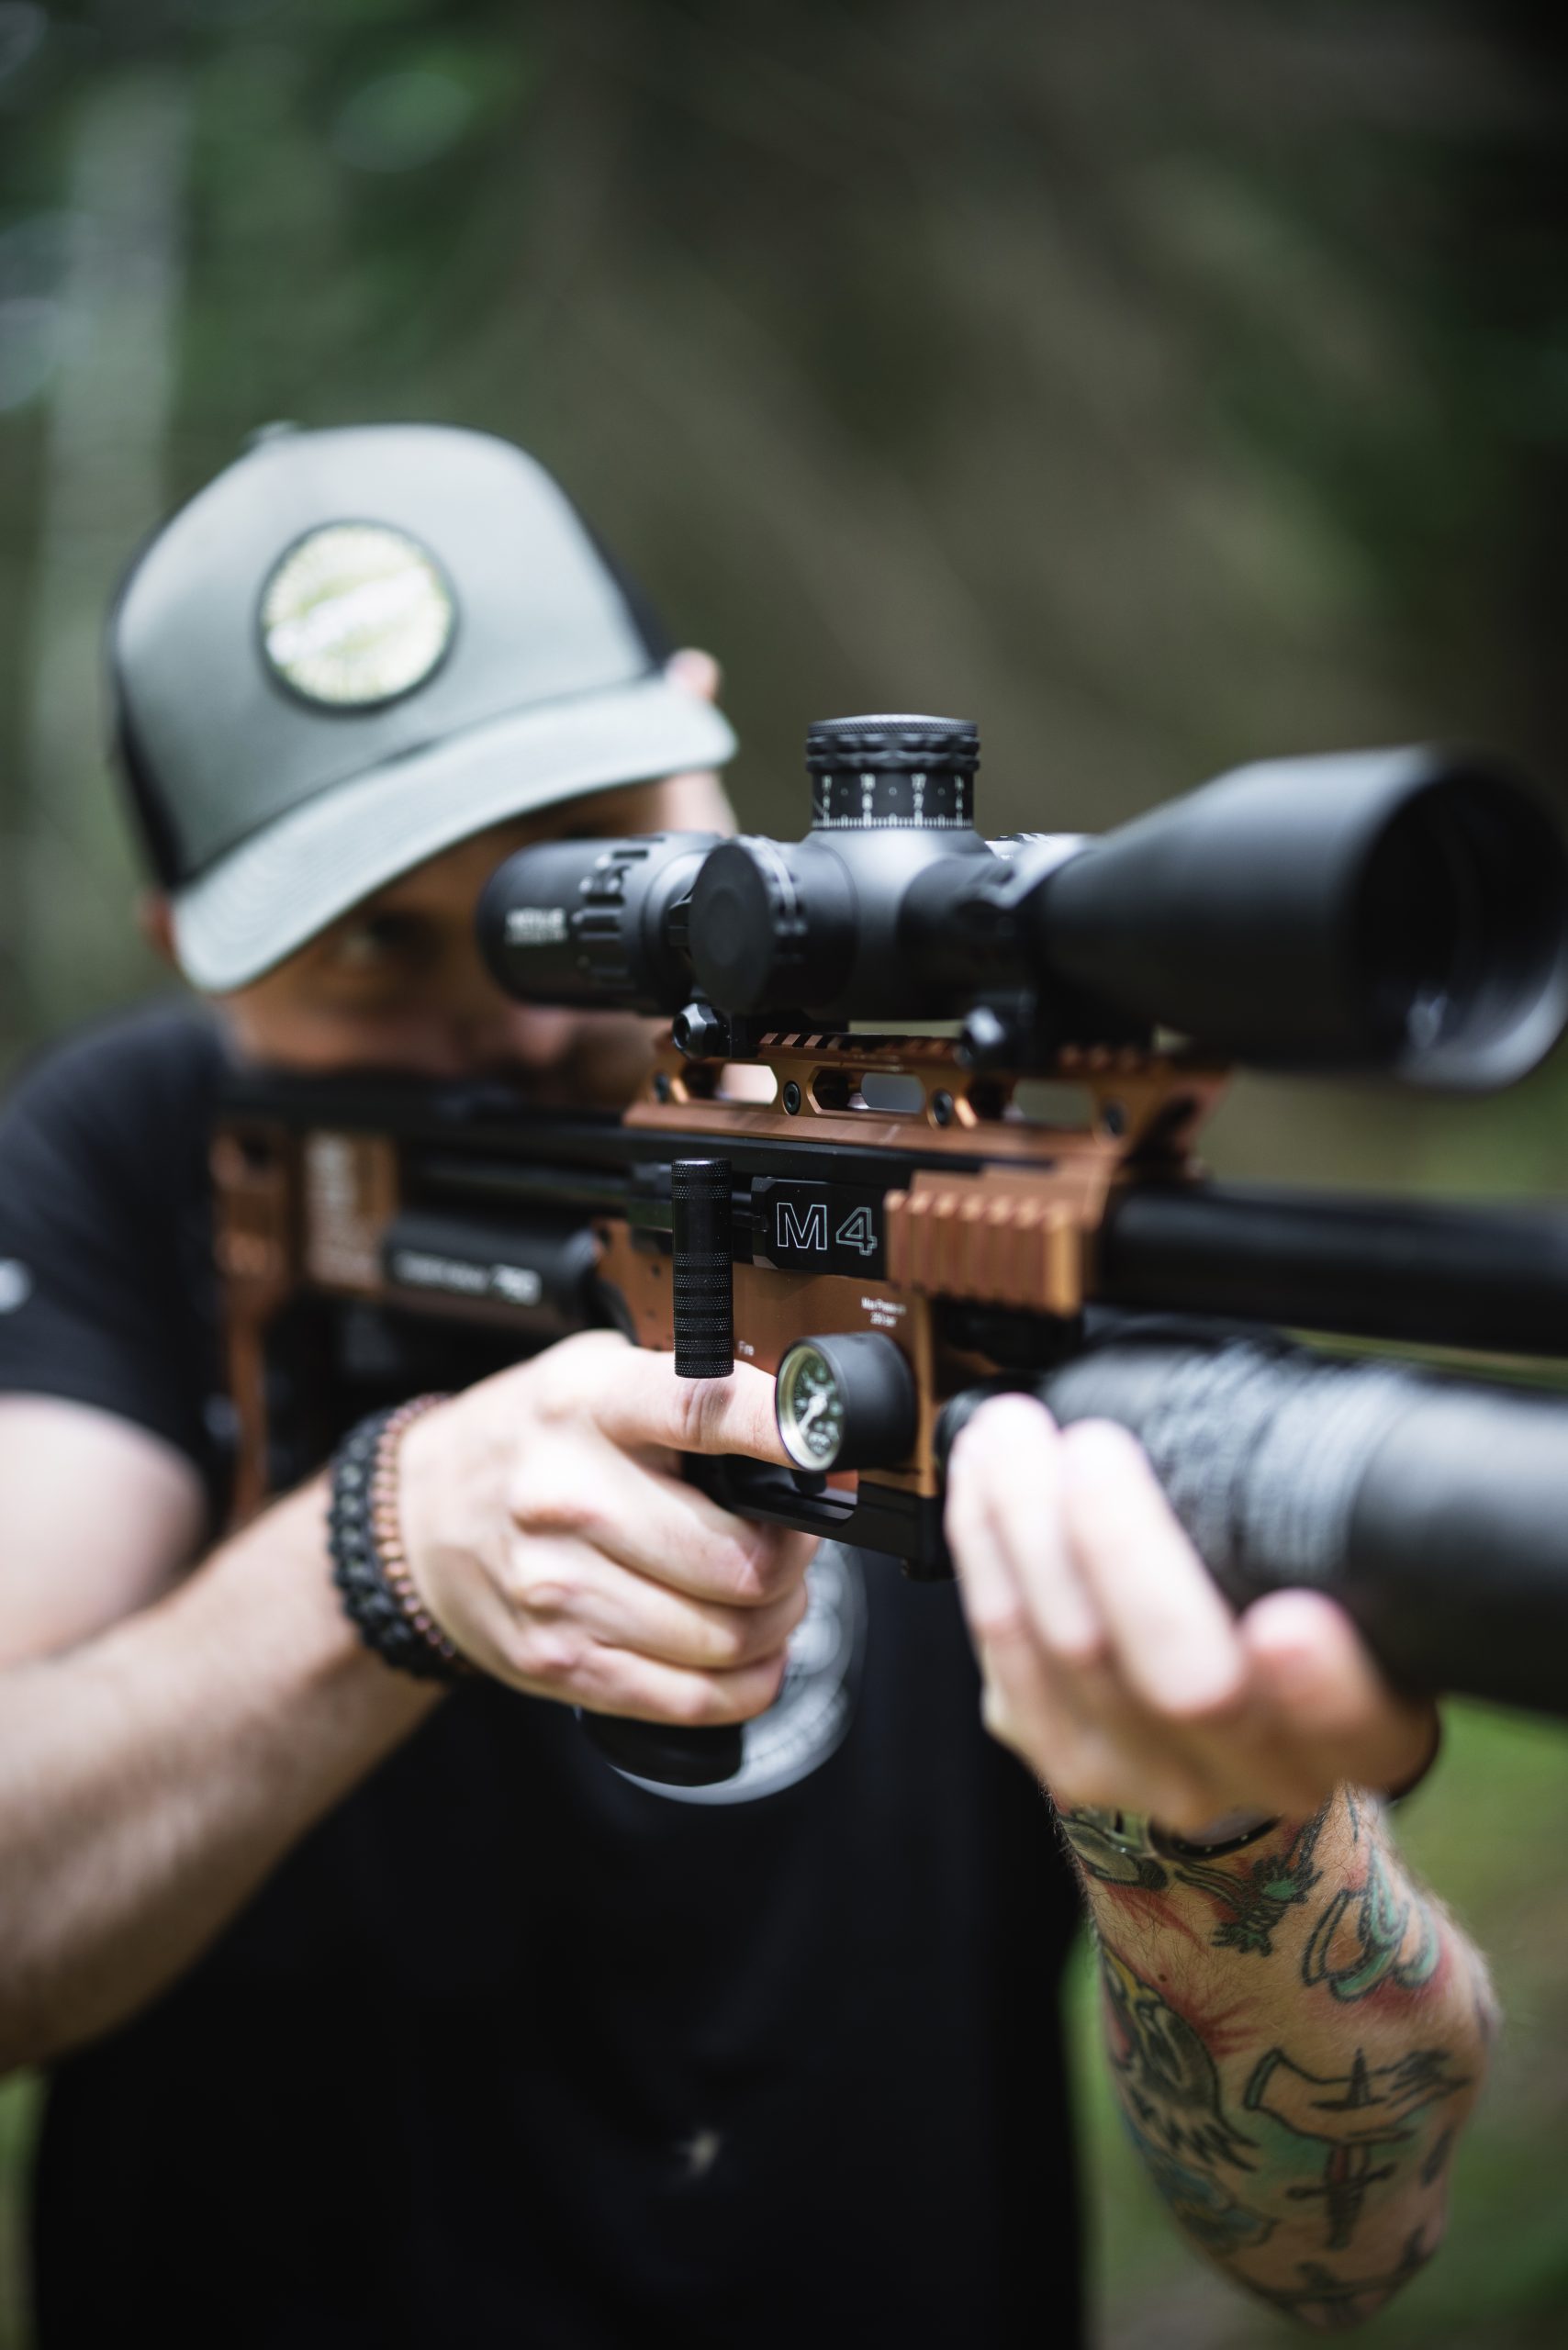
(1403,911)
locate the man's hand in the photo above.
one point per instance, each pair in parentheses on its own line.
(1114,1666)
(552,1539)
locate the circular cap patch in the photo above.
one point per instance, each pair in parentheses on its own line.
(355,614)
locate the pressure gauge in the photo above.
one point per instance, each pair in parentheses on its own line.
(846,1402)
(810,1407)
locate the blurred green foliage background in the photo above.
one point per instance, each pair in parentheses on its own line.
(1162,384)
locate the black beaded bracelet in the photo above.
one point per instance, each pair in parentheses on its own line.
(368,1564)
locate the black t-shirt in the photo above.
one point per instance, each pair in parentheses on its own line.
(514,2050)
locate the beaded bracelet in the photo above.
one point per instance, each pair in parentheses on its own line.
(370,1567)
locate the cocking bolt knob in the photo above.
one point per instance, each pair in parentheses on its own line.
(704,1268)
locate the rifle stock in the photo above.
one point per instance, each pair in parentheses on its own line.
(368,1227)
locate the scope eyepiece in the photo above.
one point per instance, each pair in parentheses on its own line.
(592,923)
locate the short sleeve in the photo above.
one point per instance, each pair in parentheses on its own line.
(106,1294)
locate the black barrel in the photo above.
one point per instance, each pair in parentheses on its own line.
(1492,1279)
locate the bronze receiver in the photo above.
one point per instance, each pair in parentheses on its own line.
(921,1126)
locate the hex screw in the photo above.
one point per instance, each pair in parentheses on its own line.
(791,1097)
(942,1109)
(1113,1118)
(661,1086)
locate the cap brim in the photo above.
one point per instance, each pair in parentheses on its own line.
(278,890)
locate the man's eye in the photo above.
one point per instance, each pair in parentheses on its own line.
(382,942)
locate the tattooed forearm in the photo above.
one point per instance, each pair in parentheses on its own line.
(1356,2116)
(1296,2035)
(1378,1931)
(1333,2302)
(1169,2090)
(1251,1891)
(1255,1897)
(1432,2168)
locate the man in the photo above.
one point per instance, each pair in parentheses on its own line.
(382,2015)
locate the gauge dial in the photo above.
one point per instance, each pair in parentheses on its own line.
(810,1408)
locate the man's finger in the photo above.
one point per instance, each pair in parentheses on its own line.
(642,1689)
(634,1396)
(1015,1702)
(1174,1638)
(554,1649)
(601,1601)
(1327,1693)
(987,1585)
(1009,1460)
(651,1521)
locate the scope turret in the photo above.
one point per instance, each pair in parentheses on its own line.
(892,774)
(1400,910)
(818,923)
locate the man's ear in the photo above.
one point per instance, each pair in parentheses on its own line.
(695,672)
(155,920)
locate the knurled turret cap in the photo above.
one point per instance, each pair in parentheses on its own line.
(896,743)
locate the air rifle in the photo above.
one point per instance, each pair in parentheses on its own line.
(921,1126)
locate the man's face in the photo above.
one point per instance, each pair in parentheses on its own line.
(398,982)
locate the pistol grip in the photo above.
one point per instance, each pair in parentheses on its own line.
(667,1753)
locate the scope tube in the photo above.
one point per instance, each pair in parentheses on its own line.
(1401,910)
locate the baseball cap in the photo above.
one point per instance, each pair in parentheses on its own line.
(356,647)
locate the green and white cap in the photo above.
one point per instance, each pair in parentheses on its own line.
(356,647)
